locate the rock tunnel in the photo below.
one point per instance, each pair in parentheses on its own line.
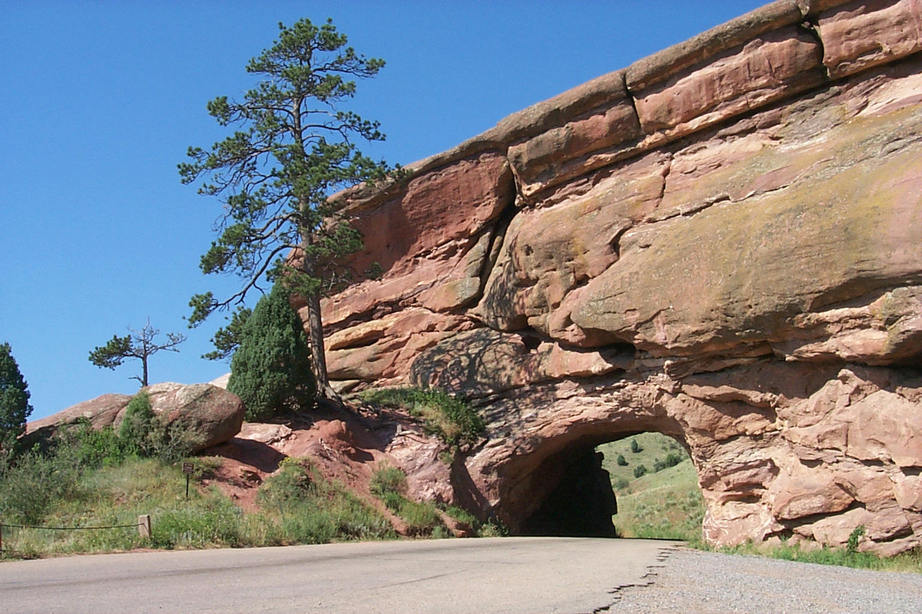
(719,243)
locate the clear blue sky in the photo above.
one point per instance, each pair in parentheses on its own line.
(101,99)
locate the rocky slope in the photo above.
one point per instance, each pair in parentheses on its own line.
(720,242)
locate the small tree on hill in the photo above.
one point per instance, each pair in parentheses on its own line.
(271,369)
(140,344)
(294,148)
(14,400)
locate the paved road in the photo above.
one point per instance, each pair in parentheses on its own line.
(505,575)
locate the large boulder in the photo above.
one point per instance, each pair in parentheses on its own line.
(208,414)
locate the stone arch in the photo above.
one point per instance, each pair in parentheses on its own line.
(700,240)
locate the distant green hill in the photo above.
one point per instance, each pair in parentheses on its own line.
(664,504)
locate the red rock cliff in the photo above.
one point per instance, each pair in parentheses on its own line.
(721,242)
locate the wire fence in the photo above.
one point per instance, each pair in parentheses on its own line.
(29,526)
(143,525)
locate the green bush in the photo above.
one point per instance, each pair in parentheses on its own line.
(448,417)
(308,509)
(635,447)
(271,370)
(640,470)
(853,538)
(621,460)
(136,431)
(387,479)
(287,487)
(35,483)
(91,447)
(389,484)
(143,433)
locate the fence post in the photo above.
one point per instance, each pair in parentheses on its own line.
(144,525)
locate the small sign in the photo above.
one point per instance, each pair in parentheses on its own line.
(187,468)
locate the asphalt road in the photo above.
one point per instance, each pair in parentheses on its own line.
(507,575)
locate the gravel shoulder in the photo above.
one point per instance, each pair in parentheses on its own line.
(694,582)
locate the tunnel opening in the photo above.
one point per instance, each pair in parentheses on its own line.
(582,503)
(640,485)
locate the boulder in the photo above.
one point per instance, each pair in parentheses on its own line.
(208,414)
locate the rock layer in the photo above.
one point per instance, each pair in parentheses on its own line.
(720,242)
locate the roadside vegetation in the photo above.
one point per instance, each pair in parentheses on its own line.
(423,519)
(103,478)
(845,557)
(389,484)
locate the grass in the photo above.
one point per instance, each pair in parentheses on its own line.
(448,417)
(663,504)
(907,562)
(298,507)
(423,519)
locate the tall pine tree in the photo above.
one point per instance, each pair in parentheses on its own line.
(294,146)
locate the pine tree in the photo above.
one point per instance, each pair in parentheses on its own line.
(295,147)
(14,399)
(271,370)
(139,344)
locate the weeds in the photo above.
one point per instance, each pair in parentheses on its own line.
(389,484)
(449,418)
(843,557)
(299,506)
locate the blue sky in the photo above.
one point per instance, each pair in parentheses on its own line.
(101,99)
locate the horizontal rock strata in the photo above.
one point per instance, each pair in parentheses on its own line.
(720,242)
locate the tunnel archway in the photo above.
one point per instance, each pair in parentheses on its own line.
(572,492)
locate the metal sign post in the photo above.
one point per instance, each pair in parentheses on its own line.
(187,468)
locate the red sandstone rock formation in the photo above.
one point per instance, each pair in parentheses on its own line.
(722,242)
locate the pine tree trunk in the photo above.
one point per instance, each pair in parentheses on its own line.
(315,330)
(318,352)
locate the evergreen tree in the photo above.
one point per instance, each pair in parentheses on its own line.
(271,370)
(140,344)
(14,399)
(294,148)
(226,340)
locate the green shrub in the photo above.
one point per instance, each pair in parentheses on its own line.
(640,470)
(448,417)
(287,487)
(387,479)
(853,538)
(389,484)
(271,370)
(635,447)
(421,518)
(621,460)
(138,424)
(34,484)
(91,447)
(621,484)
